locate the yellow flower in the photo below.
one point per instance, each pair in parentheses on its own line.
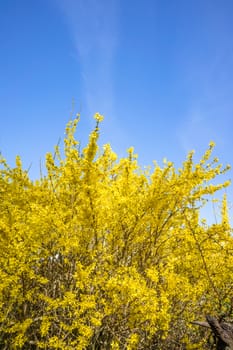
(105,253)
(98,117)
(212,144)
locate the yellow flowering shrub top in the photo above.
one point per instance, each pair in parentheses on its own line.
(99,254)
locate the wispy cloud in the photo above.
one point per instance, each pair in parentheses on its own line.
(209,110)
(208,82)
(93,26)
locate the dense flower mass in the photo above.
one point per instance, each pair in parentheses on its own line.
(100,254)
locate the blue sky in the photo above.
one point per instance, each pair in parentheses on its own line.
(160,71)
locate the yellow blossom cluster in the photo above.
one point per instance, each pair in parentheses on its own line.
(100,254)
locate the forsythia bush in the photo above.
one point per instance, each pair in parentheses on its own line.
(100,254)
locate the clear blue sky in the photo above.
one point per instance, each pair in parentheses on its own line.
(160,71)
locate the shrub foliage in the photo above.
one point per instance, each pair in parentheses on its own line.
(101,254)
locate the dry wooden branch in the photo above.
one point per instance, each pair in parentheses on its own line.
(223,331)
(202,324)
